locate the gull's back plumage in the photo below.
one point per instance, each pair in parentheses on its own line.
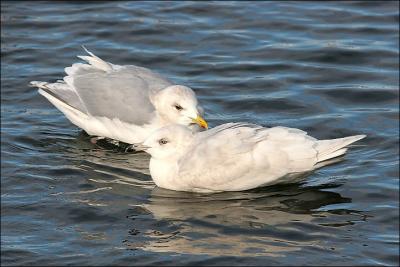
(86,88)
(243,156)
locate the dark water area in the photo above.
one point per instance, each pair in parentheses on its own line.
(329,68)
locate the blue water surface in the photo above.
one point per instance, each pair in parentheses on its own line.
(329,68)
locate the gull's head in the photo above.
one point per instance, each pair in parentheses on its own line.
(178,104)
(167,142)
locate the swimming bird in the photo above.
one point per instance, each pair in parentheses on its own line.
(235,156)
(124,103)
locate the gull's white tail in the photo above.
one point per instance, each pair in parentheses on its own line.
(328,149)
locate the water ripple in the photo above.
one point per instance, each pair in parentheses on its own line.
(330,68)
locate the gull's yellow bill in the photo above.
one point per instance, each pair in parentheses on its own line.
(201,122)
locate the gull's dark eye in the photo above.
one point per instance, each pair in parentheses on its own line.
(162,141)
(178,107)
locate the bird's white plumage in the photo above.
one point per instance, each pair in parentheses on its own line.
(125,103)
(235,156)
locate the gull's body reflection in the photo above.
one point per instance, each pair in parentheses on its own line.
(266,221)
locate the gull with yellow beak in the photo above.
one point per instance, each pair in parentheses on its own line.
(124,103)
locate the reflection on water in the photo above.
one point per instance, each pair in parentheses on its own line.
(258,222)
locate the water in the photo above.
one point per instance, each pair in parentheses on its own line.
(329,68)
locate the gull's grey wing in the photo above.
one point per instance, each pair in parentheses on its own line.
(122,92)
(103,89)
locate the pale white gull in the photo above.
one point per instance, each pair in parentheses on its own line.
(124,103)
(235,156)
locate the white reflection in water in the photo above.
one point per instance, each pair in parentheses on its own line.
(262,222)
